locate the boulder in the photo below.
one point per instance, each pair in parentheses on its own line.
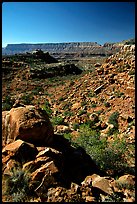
(28,124)
(21,151)
(98,182)
(128,180)
(45,176)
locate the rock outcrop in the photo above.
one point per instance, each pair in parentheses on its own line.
(53,70)
(28,124)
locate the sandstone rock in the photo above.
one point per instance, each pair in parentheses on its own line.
(28,124)
(62,129)
(5,127)
(76,106)
(45,176)
(127,179)
(101,183)
(37,163)
(20,150)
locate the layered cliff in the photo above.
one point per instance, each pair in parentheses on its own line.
(72,47)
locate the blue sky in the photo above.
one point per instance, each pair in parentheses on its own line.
(45,22)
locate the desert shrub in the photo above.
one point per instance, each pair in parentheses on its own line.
(81,112)
(47,108)
(115,197)
(83,103)
(113,62)
(76,126)
(68,113)
(57,120)
(125,185)
(113,119)
(7,103)
(106,104)
(17,185)
(131,72)
(37,89)
(93,105)
(61,99)
(27,99)
(109,156)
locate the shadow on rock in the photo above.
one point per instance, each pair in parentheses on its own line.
(77,163)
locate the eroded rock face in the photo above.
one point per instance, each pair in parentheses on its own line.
(28,124)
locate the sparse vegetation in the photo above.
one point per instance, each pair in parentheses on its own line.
(27,98)
(113,119)
(109,156)
(47,108)
(17,185)
(57,120)
(7,103)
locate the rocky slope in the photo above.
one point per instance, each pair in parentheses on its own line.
(98,103)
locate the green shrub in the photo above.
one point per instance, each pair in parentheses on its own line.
(93,105)
(17,185)
(106,104)
(75,126)
(57,120)
(27,99)
(113,62)
(61,99)
(47,108)
(68,113)
(37,89)
(109,156)
(7,103)
(81,112)
(113,119)
(83,103)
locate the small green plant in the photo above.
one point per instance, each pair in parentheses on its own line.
(113,62)
(27,99)
(68,113)
(93,105)
(107,104)
(81,112)
(7,103)
(57,120)
(83,103)
(113,119)
(37,89)
(47,108)
(17,185)
(67,105)
(119,94)
(91,94)
(76,126)
(61,99)
(131,72)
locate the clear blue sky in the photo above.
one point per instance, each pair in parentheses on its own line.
(45,22)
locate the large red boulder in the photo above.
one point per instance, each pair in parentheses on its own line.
(28,124)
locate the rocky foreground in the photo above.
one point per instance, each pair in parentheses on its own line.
(40,165)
